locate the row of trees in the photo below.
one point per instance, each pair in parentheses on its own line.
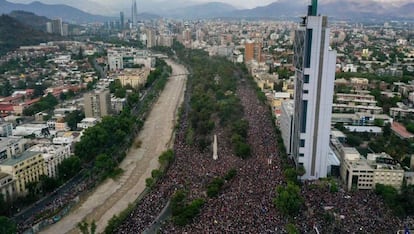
(213,99)
(402,203)
(105,143)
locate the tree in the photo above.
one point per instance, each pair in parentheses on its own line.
(387,129)
(291,229)
(7,226)
(48,184)
(353,140)
(379,122)
(6,89)
(288,200)
(69,167)
(3,205)
(291,174)
(86,229)
(104,163)
(74,118)
(410,127)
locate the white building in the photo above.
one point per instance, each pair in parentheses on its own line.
(115,62)
(364,173)
(315,74)
(53,155)
(29,129)
(6,129)
(10,146)
(87,123)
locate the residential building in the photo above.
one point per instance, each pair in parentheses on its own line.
(97,104)
(6,129)
(49,27)
(53,155)
(134,77)
(252,51)
(24,168)
(360,118)
(29,129)
(7,186)
(10,146)
(57,26)
(315,67)
(118,104)
(151,39)
(87,123)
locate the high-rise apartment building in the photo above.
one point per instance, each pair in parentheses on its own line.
(57,26)
(97,104)
(252,51)
(65,30)
(315,74)
(151,39)
(49,27)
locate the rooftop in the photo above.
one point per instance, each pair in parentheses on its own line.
(6,141)
(20,158)
(401,131)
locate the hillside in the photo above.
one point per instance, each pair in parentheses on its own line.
(67,13)
(30,19)
(14,34)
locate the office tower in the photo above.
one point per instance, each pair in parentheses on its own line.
(134,14)
(122,18)
(252,51)
(315,74)
(97,104)
(57,26)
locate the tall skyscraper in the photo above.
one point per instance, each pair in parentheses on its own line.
(315,66)
(134,14)
(122,20)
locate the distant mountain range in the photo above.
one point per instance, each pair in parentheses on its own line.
(67,13)
(291,9)
(344,9)
(13,34)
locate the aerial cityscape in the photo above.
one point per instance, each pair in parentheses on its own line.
(267,116)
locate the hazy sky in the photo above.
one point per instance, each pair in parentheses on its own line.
(113,6)
(237,3)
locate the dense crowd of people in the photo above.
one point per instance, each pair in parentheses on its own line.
(245,203)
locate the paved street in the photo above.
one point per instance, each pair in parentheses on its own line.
(112,197)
